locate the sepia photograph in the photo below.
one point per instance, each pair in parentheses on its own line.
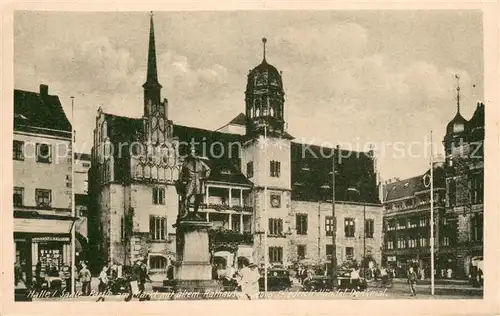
(248,155)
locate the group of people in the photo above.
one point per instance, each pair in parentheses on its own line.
(137,279)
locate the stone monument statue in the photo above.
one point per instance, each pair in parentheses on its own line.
(191,185)
(193,271)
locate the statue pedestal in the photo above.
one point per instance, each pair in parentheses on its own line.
(193,269)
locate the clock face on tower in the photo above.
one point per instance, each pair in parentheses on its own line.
(275,200)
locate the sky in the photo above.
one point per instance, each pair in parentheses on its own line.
(350,77)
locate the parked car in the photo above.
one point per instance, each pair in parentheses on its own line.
(278,279)
(342,282)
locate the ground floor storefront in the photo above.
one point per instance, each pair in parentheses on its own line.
(42,246)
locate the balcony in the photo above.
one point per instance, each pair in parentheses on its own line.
(220,236)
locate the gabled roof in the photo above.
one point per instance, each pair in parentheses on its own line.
(32,109)
(239,119)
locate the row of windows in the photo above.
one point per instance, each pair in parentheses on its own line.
(302,251)
(274,169)
(43,152)
(301,222)
(414,242)
(404,223)
(43,197)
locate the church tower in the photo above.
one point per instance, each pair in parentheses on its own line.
(264,99)
(156,125)
(265,159)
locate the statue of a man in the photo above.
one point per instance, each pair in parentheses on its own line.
(193,175)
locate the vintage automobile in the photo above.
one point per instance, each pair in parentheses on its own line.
(278,279)
(342,282)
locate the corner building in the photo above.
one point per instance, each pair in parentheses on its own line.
(261,182)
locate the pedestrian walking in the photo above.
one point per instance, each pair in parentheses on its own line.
(248,279)
(103,283)
(85,277)
(412,281)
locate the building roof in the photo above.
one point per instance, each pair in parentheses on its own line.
(409,187)
(456,121)
(239,119)
(356,170)
(39,110)
(311,174)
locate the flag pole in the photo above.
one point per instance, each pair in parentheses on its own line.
(266,220)
(432,219)
(73,212)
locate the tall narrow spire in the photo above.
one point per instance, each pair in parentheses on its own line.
(458,92)
(152,87)
(264,41)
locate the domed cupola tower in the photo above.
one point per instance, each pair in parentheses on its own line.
(456,130)
(264,99)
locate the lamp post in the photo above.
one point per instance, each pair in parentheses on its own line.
(334,230)
(73,211)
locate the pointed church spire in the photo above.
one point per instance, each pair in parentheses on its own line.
(264,41)
(458,92)
(152,87)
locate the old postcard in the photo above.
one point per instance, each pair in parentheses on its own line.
(316,157)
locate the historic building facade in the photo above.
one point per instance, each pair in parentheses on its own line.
(42,181)
(464,148)
(257,183)
(458,205)
(407,206)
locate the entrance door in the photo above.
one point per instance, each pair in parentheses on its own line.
(23,257)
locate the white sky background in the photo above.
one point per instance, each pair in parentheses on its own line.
(350,77)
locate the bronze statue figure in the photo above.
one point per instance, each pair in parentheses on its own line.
(191,184)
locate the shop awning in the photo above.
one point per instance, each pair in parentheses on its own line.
(41,225)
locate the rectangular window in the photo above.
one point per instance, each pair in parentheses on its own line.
(329,225)
(401,243)
(158,196)
(43,197)
(274,168)
(349,227)
(301,224)
(423,222)
(452,198)
(423,241)
(275,226)
(18,196)
(477,227)
(301,251)
(349,252)
(275,254)
(18,150)
(43,153)
(158,227)
(275,200)
(235,223)
(412,242)
(250,169)
(122,224)
(157,262)
(446,241)
(390,244)
(369,228)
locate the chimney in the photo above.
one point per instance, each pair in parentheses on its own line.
(44,90)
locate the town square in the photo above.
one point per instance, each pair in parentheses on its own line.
(248,156)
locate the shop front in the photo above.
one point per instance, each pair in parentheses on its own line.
(42,244)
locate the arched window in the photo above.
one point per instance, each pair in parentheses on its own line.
(157,262)
(139,172)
